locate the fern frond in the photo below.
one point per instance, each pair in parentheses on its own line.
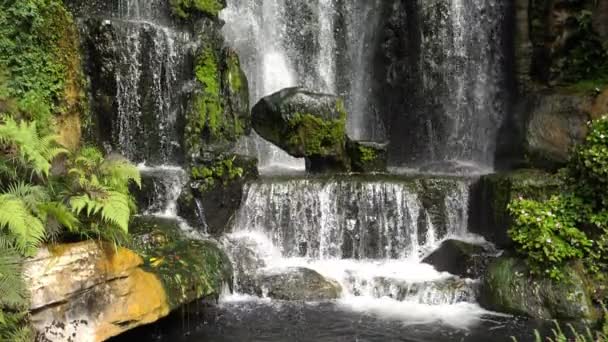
(26,229)
(33,151)
(117,210)
(13,294)
(118,172)
(60,213)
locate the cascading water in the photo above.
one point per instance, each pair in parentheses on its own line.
(138,65)
(369,235)
(457,93)
(286,43)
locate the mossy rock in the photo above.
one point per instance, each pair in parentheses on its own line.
(215,191)
(368,156)
(493,193)
(189,269)
(306,125)
(219,111)
(509,287)
(188,9)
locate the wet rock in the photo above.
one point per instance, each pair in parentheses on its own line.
(509,287)
(214,194)
(444,291)
(459,258)
(247,264)
(306,125)
(556,123)
(92,291)
(298,284)
(368,156)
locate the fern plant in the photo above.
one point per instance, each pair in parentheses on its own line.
(99,190)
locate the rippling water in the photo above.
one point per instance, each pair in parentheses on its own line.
(247,319)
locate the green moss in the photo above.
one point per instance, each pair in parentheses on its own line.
(205,119)
(368,154)
(235,79)
(185,9)
(221,172)
(317,136)
(188,269)
(40,56)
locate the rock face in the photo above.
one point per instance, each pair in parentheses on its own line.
(298,284)
(305,125)
(87,292)
(508,287)
(368,156)
(556,124)
(492,194)
(90,291)
(459,258)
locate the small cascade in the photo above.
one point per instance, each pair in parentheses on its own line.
(162,186)
(369,235)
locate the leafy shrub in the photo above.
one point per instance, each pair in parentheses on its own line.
(574,224)
(546,232)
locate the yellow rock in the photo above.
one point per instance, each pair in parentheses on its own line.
(89,292)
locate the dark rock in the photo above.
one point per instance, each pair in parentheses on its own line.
(368,156)
(298,284)
(305,125)
(459,258)
(509,287)
(491,195)
(214,194)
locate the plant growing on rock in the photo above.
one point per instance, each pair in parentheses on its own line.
(574,224)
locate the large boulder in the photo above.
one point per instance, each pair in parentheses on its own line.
(556,123)
(509,287)
(460,258)
(91,291)
(305,125)
(298,284)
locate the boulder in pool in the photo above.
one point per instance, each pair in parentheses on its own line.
(459,258)
(298,283)
(306,125)
(509,287)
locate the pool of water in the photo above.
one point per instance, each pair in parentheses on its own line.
(248,319)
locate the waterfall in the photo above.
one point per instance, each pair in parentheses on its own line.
(286,43)
(368,234)
(458,95)
(138,65)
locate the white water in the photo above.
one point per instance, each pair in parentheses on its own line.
(167,182)
(389,281)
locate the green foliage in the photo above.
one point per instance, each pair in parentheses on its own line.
(588,58)
(24,148)
(574,224)
(40,56)
(316,136)
(368,154)
(546,232)
(221,172)
(185,9)
(99,190)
